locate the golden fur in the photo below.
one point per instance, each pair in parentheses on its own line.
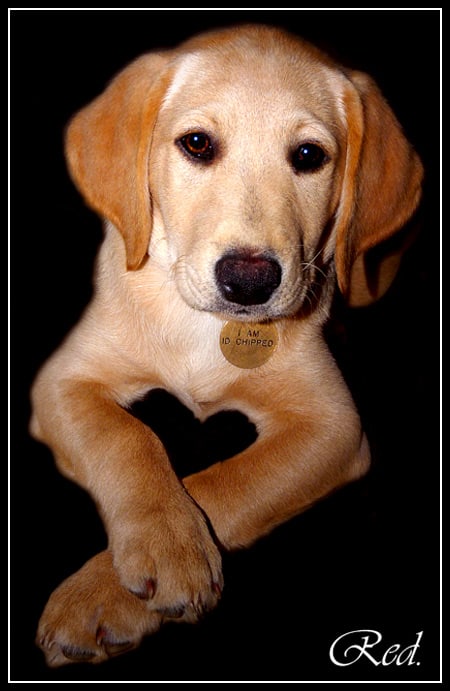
(157,313)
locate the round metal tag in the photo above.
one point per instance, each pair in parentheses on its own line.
(248,345)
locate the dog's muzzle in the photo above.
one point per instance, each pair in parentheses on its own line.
(246,278)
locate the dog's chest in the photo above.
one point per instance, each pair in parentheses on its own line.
(190,361)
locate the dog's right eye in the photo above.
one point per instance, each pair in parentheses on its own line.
(198,145)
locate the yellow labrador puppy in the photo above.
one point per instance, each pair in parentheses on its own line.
(241,177)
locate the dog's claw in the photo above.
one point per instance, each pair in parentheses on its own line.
(75,654)
(217,589)
(100,635)
(173,612)
(112,648)
(148,592)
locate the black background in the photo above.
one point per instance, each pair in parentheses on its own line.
(366,558)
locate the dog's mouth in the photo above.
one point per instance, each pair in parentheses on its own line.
(254,313)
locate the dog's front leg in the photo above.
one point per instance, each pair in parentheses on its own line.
(296,460)
(161,545)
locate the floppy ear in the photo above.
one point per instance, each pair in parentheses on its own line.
(108,145)
(381,190)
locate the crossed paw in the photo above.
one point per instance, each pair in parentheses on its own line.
(109,605)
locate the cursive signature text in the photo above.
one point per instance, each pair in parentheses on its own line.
(366,644)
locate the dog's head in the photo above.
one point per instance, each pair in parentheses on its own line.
(252,165)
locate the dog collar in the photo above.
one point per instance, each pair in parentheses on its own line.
(248,344)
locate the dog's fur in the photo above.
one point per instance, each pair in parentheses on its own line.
(160,304)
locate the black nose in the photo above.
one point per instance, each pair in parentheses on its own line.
(246,278)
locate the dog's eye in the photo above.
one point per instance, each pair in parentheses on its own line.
(308,157)
(198,145)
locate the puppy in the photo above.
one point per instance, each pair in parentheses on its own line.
(242,178)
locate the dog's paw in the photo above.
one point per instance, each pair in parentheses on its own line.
(169,559)
(91,617)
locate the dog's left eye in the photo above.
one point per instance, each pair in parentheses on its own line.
(198,145)
(308,157)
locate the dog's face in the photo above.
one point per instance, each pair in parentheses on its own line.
(244,175)
(250,166)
